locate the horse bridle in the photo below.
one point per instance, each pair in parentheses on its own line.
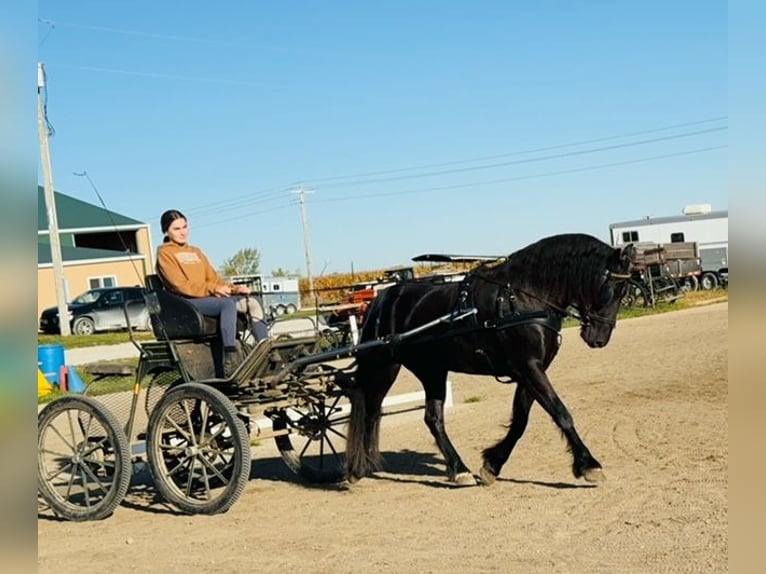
(584,317)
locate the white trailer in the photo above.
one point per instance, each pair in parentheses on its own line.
(278,295)
(698,223)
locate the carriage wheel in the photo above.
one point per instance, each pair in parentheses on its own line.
(635,296)
(316,443)
(198,449)
(83,459)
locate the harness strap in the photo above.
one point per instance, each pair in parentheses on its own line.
(547,319)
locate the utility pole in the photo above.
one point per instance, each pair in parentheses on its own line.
(50,204)
(306,236)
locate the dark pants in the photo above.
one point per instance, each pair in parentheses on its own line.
(225,308)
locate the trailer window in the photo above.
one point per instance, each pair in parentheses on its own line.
(629,236)
(676,237)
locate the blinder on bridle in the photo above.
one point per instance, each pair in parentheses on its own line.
(605,295)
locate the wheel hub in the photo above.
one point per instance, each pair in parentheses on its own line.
(312,426)
(191,451)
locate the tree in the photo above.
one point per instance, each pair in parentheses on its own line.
(246,261)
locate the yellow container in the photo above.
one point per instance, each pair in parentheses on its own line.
(43,386)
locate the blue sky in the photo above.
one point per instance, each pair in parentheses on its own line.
(461,127)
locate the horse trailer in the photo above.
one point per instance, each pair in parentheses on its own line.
(278,295)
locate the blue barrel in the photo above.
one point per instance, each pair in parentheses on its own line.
(50,359)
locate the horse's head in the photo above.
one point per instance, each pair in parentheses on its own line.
(599,313)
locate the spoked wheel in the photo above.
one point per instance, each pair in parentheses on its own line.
(199,449)
(83,459)
(315,443)
(635,296)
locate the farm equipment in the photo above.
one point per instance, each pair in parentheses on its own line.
(663,273)
(191,425)
(347,315)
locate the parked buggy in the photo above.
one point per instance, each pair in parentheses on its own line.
(662,273)
(177,412)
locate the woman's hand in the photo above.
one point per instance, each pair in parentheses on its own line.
(241,290)
(223,291)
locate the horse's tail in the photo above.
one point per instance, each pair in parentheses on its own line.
(357,464)
(375,373)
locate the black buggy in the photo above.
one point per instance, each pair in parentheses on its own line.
(190,424)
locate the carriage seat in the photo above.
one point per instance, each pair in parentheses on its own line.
(173,317)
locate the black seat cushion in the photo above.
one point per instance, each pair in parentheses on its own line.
(173,316)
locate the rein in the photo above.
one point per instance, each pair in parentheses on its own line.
(514,317)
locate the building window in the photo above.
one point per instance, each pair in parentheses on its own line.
(676,237)
(106,281)
(628,236)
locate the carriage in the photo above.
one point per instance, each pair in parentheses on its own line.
(176,412)
(322,403)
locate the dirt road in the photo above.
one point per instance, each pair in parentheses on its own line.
(652,407)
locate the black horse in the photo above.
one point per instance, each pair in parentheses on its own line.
(520,301)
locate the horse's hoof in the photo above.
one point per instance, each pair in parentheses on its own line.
(594,475)
(487,476)
(352,478)
(464,479)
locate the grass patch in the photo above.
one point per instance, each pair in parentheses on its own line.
(473,399)
(80,341)
(689,300)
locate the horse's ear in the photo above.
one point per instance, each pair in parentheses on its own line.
(628,255)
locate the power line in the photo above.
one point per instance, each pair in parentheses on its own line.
(270,194)
(140,33)
(520,152)
(165,76)
(244,215)
(367,196)
(523,177)
(531,160)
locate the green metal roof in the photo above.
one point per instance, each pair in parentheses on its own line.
(73,213)
(69,253)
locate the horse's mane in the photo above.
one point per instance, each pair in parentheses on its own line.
(567,267)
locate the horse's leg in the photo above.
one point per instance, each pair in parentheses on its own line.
(435,386)
(539,386)
(496,456)
(373,381)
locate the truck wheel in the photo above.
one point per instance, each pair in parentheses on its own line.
(689,284)
(279,310)
(291,308)
(709,281)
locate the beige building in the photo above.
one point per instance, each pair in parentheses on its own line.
(99,248)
